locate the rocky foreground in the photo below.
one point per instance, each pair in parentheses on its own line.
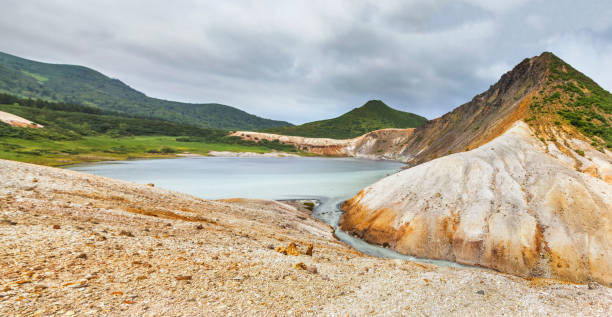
(77,244)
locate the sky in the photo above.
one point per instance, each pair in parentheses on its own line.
(301,61)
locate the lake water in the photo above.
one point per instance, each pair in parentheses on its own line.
(329,180)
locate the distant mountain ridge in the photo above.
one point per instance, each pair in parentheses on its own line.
(82,85)
(373,115)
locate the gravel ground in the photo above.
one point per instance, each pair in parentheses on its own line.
(77,244)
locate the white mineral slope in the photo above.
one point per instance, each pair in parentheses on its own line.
(386,144)
(17,121)
(507,205)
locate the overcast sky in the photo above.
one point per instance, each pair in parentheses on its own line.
(308,60)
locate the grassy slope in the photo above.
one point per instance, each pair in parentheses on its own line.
(106,148)
(81,85)
(373,115)
(75,134)
(570,98)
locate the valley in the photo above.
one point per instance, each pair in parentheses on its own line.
(515,184)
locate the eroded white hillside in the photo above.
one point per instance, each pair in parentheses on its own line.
(17,121)
(507,205)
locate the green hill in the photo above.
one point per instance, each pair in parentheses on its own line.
(374,115)
(572,98)
(81,85)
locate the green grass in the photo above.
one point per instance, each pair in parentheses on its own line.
(103,148)
(372,116)
(41,79)
(74,134)
(84,86)
(582,102)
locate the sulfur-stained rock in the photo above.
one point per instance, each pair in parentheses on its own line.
(291,249)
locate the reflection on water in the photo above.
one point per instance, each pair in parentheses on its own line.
(330,180)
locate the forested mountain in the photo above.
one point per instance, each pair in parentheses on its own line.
(373,115)
(82,85)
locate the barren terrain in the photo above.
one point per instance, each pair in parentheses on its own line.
(77,244)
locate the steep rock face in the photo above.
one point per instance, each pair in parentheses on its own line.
(507,205)
(379,144)
(483,118)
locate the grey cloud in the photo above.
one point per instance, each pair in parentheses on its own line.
(308,60)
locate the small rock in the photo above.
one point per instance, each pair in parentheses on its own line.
(592,285)
(291,249)
(79,285)
(40,287)
(125,233)
(199,227)
(8,222)
(480,292)
(82,256)
(117,293)
(183,277)
(301,266)
(56,227)
(309,250)
(151,185)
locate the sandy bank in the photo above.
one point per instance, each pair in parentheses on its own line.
(250,154)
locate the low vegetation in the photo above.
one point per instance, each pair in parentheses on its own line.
(573,98)
(372,116)
(75,133)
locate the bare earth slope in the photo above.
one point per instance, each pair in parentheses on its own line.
(485,117)
(77,244)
